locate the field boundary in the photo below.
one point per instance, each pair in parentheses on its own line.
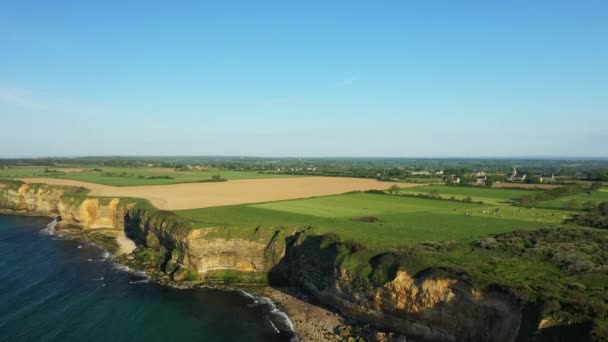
(246,191)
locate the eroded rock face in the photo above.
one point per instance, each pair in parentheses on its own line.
(50,201)
(448,309)
(221,254)
(194,250)
(424,305)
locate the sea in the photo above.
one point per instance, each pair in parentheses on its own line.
(56,289)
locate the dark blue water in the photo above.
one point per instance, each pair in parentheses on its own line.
(52,290)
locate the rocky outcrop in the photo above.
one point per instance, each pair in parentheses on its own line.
(184,247)
(190,247)
(68,202)
(429,305)
(222,254)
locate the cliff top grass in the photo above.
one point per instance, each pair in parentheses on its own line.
(398,221)
(563,272)
(11,184)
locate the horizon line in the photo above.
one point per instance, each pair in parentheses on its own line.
(548,157)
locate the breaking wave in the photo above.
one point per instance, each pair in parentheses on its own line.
(50,228)
(277,319)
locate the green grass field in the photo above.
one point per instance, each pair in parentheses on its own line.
(361,204)
(117,176)
(575,201)
(403,220)
(18,172)
(486,195)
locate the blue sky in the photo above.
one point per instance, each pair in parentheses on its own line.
(286,78)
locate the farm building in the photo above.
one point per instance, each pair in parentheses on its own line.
(452,178)
(517,177)
(481,179)
(546,179)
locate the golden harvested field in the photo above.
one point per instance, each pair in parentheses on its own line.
(203,195)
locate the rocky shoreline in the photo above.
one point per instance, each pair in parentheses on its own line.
(315,322)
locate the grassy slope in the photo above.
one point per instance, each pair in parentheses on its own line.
(403,220)
(133,174)
(596,197)
(491,196)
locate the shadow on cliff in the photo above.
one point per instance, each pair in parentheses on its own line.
(345,276)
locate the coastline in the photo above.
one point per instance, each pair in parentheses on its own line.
(316,322)
(311,322)
(307,321)
(120,251)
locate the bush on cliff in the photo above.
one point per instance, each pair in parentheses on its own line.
(594,217)
(148,256)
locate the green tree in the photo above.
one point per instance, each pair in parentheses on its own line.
(394,189)
(596,186)
(588,205)
(217,178)
(533,180)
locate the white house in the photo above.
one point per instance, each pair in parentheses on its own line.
(548,179)
(517,177)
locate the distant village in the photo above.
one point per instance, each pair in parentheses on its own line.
(462,176)
(449,176)
(482,178)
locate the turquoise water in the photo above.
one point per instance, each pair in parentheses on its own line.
(55,289)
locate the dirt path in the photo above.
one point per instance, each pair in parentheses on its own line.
(202,195)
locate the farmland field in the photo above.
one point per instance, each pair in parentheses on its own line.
(211,194)
(18,172)
(486,195)
(351,205)
(116,176)
(402,220)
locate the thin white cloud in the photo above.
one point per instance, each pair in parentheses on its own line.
(22,98)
